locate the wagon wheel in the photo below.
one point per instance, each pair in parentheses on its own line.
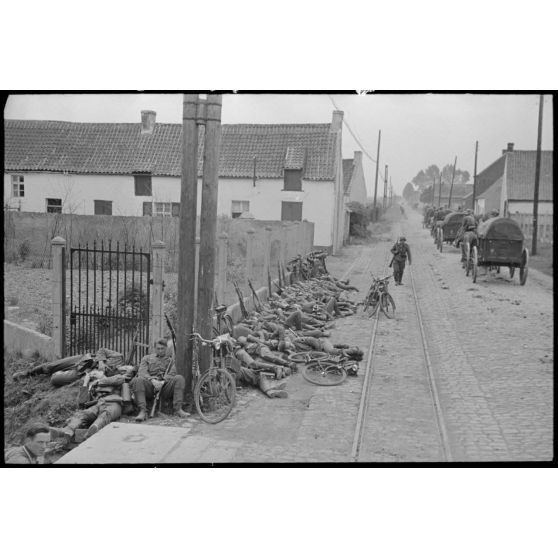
(467,259)
(475,263)
(512,271)
(524,267)
(440,239)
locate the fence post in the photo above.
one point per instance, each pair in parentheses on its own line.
(284,244)
(267,254)
(158,265)
(222,267)
(58,296)
(250,255)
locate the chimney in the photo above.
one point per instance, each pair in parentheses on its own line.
(357,159)
(148,121)
(509,149)
(337,121)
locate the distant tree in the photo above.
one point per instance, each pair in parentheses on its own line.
(408,191)
(427,195)
(461,176)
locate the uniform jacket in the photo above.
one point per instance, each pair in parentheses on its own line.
(21,456)
(154,367)
(401,251)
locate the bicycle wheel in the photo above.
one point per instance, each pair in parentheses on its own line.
(374,305)
(323,373)
(388,305)
(215,395)
(306,356)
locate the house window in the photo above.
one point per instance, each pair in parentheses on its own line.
(164,209)
(291,211)
(293,179)
(142,184)
(147,208)
(238,207)
(54,205)
(103,207)
(18,190)
(176,210)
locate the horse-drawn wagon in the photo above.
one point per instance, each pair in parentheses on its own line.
(447,230)
(499,243)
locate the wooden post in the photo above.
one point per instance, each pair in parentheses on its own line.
(452,179)
(267,254)
(208,223)
(475,176)
(377,169)
(58,296)
(385,188)
(249,266)
(186,293)
(158,251)
(440,191)
(222,267)
(537,178)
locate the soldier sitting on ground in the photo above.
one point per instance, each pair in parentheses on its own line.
(158,372)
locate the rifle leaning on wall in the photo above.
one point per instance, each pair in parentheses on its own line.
(257,303)
(240,300)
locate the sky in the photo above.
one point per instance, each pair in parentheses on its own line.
(417,130)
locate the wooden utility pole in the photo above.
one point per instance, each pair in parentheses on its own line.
(390,192)
(440,191)
(187,239)
(208,223)
(452,179)
(377,169)
(537,178)
(385,188)
(475,176)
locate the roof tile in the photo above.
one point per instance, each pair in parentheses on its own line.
(107,148)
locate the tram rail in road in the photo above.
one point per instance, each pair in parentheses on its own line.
(362,440)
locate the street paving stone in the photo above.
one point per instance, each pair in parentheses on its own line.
(491,349)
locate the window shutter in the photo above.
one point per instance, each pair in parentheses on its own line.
(147,208)
(176,210)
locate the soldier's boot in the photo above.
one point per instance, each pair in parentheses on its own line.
(142,415)
(272,389)
(100,422)
(66,433)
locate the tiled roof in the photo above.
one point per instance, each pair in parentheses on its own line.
(94,148)
(348,165)
(520,175)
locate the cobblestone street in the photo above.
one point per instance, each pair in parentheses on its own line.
(491,352)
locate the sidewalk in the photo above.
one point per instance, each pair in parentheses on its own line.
(314,424)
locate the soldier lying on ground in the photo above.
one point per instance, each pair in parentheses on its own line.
(33,449)
(67,370)
(101,398)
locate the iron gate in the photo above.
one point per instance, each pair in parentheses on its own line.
(109,300)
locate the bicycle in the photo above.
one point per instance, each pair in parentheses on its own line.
(223,321)
(214,389)
(379,297)
(331,371)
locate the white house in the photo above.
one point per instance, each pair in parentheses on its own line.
(287,172)
(508,184)
(354,186)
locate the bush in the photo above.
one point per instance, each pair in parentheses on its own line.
(23,250)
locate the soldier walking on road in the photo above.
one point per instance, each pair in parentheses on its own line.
(400,253)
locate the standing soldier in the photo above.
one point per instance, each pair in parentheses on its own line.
(400,252)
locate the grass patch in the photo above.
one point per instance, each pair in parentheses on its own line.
(33,400)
